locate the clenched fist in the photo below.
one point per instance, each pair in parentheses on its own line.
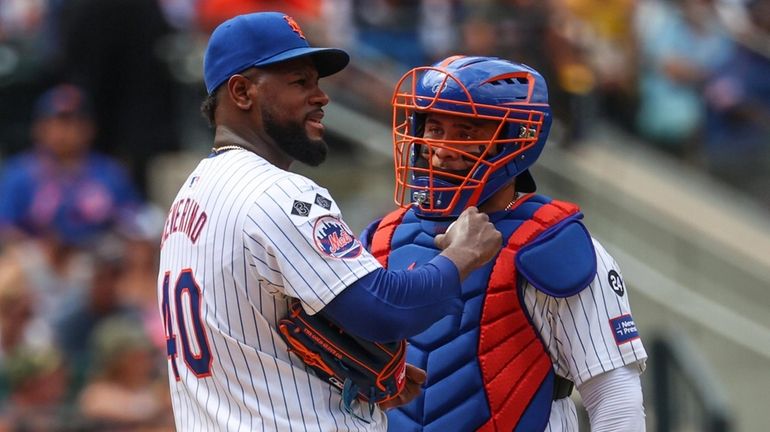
(471,241)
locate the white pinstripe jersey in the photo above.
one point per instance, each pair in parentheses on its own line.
(586,334)
(241,236)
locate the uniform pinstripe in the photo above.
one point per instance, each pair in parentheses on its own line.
(250,255)
(578,335)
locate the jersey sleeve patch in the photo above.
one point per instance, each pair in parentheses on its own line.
(333,238)
(624,329)
(562,262)
(616,282)
(310,205)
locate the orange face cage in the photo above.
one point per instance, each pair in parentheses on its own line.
(438,192)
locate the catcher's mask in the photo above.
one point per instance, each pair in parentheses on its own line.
(480,89)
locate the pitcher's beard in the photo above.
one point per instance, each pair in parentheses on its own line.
(292,138)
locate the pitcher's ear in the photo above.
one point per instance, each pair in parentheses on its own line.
(238,91)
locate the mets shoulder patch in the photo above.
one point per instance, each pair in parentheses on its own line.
(333,238)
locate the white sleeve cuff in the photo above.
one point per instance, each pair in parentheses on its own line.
(614,400)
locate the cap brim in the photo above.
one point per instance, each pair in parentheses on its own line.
(328,61)
(525,182)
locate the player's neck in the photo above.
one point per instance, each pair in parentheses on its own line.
(228,136)
(500,201)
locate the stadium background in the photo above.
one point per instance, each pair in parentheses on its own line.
(683,205)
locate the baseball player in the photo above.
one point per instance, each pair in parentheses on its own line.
(550,311)
(244,236)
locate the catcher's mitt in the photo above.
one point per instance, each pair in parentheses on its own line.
(371,371)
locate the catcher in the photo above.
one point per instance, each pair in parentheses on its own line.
(550,311)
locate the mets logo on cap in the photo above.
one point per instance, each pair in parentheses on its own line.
(294,26)
(333,238)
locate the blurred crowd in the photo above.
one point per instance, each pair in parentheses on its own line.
(688,78)
(80,338)
(93,91)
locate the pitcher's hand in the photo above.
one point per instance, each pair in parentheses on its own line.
(471,241)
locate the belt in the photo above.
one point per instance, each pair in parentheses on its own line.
(562,387)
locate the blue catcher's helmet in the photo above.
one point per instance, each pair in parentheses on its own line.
(479,88)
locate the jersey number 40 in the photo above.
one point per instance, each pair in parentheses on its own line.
(195,345)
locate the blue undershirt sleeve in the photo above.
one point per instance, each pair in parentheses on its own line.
(389,305)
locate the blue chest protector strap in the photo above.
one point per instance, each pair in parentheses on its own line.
(561,261)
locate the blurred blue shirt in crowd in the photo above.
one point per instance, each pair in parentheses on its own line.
(61,188)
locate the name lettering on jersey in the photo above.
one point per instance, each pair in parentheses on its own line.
(334,239)
(616,282)
(186,217)
(624,329)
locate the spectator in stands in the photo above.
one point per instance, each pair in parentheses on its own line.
(58,199)
(508,29)
(53,273)
(125,392)
(61,188)
(405,32)
(114,50)
(681,44)
(81,315)
(737,134)
(29,50)
(601,56)
(19,327)
(38,384)
(136,286)
(542,35)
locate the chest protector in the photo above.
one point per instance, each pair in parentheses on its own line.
(488,369)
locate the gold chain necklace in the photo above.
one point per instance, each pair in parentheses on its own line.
(510,204)
(226,148)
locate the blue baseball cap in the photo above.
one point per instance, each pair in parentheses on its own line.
(261,39)
(63,99)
